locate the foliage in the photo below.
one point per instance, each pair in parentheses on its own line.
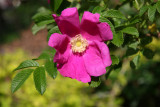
(143,86)
(61,92)
(20,79)
(129,21)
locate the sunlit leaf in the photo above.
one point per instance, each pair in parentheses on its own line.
(51,69)
(118,39)
(52,30)
(26,64)
(131,31)
(45,22)
(36,28)
(158,6)
(44,55)
(43,18)
(95,82)
(134,21)
(98,9)
(115,60)
(40,79)
(138,4)
(143,10)
(20,78)
(151,12)
(55,4)
(134,45)
(113,14)
(44,10)
(134,63)
(103,19)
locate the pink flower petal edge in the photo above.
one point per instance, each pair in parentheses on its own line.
(75,69)
(68,22)
(92,29)
(58,41)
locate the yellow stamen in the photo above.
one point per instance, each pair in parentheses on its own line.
(78,44)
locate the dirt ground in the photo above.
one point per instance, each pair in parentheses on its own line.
(33,44)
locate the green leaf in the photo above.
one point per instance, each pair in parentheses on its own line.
(146,40)
(98,9)
(113,14)
(103,19)
(131,31)
(47,54)
(52,52)
(26,64)
(148,53)
(55,4)
(138,4)
(45,22)
(20,78)
(44,55)
(53,30)
(118,39)
(131,51)
(95,82)
(158,6)
(44,10)
(121,1)
(134,21)
(36,29)
(143,10)
(151,12)
(134,45)
(40,79)
(134,63)
(117,22)
(115,60)
(43,18)
(117,68)
(42,15)
(51,69)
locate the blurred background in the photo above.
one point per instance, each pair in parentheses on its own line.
(124,87)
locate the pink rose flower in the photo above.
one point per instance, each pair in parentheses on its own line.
(80,49)
(48,1)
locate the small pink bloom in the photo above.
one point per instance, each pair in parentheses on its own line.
(80,49)
(48,1)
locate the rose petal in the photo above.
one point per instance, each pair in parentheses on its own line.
(75,69)
(92,29)
(68,21)
(89,28)
(90,17)
(104,51)
(62,58)
(93,61)
(59,42)
(105,31)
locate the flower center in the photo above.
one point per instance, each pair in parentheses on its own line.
(78,44)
